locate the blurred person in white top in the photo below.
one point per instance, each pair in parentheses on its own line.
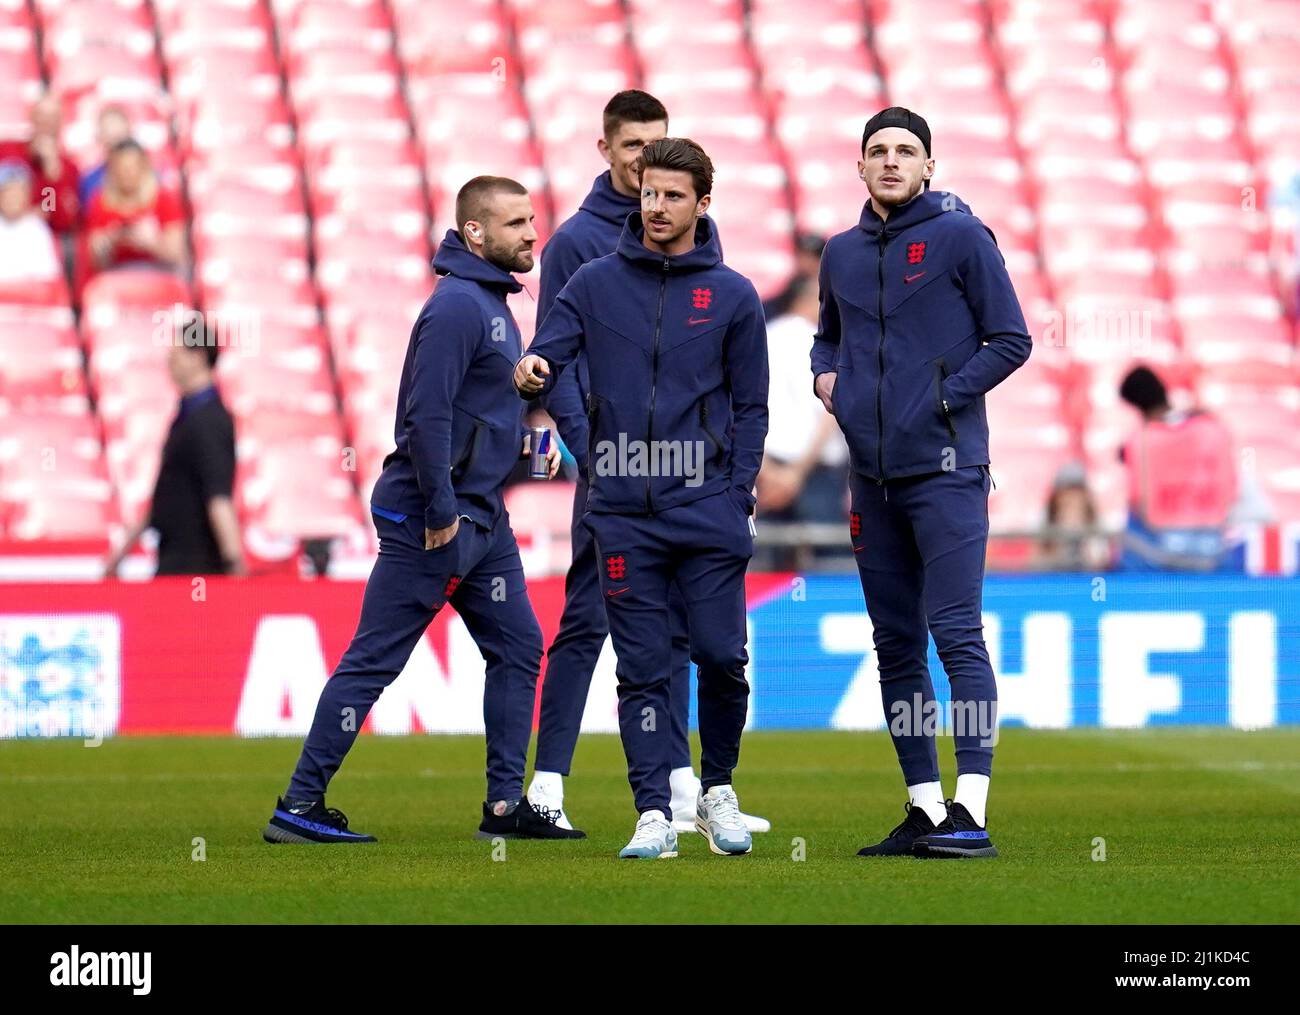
(27,252)
(804,475)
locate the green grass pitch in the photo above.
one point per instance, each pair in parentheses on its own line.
(1198,826)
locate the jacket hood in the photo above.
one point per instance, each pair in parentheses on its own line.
(926,205)
(705,254)
(454,258)
(608,204)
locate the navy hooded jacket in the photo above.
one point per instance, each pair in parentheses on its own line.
(677,351)
(459,426)
(592,232)
(916,311)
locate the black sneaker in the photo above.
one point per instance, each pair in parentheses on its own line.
(310,821)
(520,819)
(899,841)
(957,837)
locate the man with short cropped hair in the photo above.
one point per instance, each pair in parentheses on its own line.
(677,356)
(444,534)
(631,120)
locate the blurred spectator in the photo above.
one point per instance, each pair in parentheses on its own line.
(54,174)
(112,128)
(134,221)
(1072,542)
(1182,484)
(807,262)
(804,474)
(192,508)
(27,251)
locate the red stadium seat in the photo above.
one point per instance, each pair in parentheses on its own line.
(41,375)
(112,294)
(1077,130)
(1212,339)
(36,294)
(78,512)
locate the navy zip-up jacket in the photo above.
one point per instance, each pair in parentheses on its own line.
(677,351)
(459,426)
(591,232)
(916,311)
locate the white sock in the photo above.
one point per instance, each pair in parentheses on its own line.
(549,783)
(929,797)
(973,794)
(683,784)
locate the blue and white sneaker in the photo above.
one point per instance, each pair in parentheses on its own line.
(718,819)
(685,794)
(311,822)
(654,839)
(956,837)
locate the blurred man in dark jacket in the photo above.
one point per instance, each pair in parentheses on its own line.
(192,509)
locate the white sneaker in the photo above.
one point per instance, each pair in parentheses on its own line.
(542,796)
(654,839)
(753,823)
(684,798)
(718,819)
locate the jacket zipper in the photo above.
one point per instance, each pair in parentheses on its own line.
(880,381)
(654,381)
(593,416)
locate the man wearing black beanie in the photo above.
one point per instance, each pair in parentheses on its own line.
(918,321)
(904,119)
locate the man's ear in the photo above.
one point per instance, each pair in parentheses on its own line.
(606,152)
(929,169)
(702,206)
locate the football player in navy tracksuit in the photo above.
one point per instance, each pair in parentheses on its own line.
(676,353)
(444,535)
(918,322)
(631,120)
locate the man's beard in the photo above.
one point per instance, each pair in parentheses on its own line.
(674,237)
(507,258)
(891,203)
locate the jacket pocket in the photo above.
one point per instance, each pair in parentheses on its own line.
(940,373)
(718,450)
(464,461)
